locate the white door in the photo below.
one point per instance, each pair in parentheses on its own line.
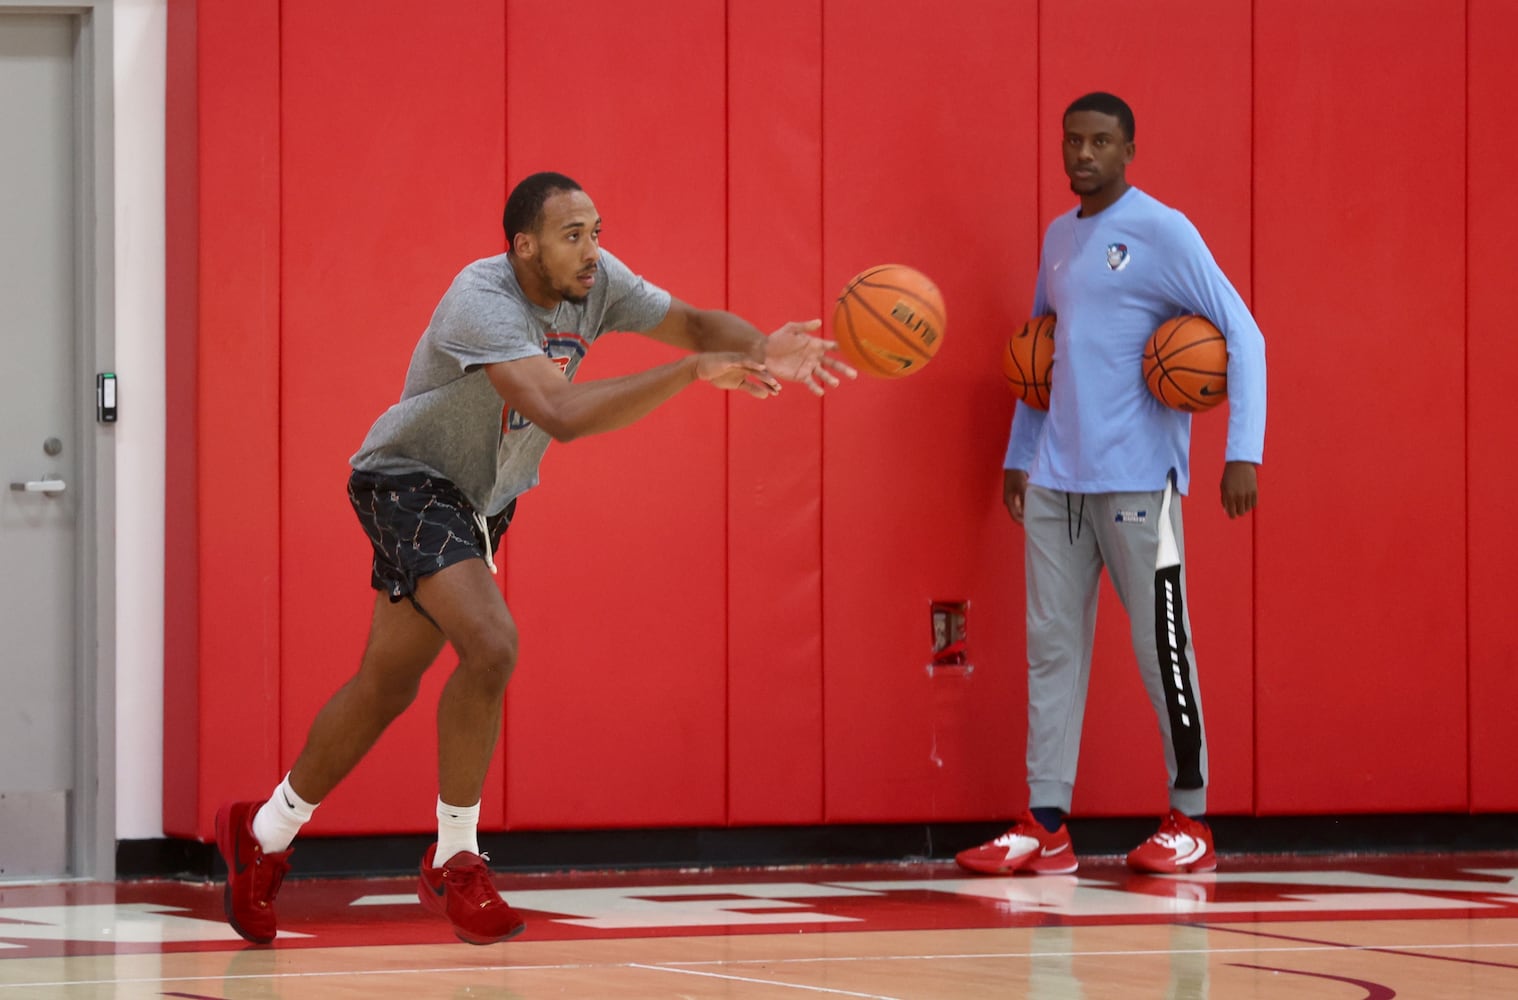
(40,442)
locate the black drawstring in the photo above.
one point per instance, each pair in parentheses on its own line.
(1075,532)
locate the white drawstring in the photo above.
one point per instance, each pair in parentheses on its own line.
(485,534)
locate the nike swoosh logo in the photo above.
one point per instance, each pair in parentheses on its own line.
(1046,853)
(292,804)
(237,864)
(440,890)
(1196,852)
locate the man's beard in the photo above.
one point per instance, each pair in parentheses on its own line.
(574,292)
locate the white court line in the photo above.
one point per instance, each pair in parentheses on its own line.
(761,982)
(1137,953)
(676,966)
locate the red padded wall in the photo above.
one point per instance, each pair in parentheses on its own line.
(928,159)
(725,608)
(222,572)
(1193,153)
(774,513)
(1359,251)
(616,570)
(393,165)
(1492,411)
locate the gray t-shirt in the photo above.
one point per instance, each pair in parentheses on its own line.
(450,421)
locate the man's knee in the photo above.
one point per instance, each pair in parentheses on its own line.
(489,658)
(391,692)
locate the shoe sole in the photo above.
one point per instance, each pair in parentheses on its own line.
(228,852)
(484,940)
(1069,869)
(1022,866)
(1195,869)
(432,904)
(990,868)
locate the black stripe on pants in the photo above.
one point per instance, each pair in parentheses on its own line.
(1180,698)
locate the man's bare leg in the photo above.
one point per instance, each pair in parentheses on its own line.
(467,605)
(402,645)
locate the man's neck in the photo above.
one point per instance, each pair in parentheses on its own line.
(1100,201)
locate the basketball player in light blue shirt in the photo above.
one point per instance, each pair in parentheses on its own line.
(1096,482)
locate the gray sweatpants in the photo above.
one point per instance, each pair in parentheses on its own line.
(1069,538)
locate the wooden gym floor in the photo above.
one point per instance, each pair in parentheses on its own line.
(1337,928)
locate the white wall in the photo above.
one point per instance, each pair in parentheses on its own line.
(140,60)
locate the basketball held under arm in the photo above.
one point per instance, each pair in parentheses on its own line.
(1200,286)
(536,389)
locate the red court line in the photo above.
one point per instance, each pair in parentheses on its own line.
(1373,991)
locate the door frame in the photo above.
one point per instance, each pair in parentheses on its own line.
(92,806)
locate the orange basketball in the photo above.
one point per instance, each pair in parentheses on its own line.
(1028,361)
(1186,364)
(889,321)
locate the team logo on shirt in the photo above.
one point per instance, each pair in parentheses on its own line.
(565,347)
(1117,256)
(564,350)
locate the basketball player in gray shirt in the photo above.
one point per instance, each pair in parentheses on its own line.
(434,485)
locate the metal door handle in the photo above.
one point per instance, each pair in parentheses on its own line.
(40,486)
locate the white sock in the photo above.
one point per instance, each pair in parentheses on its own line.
(457,830)
(278,820)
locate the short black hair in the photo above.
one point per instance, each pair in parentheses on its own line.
(524,205)
(1106,104)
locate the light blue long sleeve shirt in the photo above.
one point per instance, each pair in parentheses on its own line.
(1111,279)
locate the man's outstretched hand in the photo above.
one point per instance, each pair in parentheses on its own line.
(730,370)
(793,353)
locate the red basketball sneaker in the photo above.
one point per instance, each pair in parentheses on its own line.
(1181,844)
(253,877)
(1027,847)
(461,891)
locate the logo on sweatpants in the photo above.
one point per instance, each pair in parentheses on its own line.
(1132,516)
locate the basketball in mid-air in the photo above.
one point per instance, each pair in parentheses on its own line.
(1186,364)
(889,321)
(1028,361)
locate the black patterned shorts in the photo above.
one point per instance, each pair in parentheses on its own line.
(419,523)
